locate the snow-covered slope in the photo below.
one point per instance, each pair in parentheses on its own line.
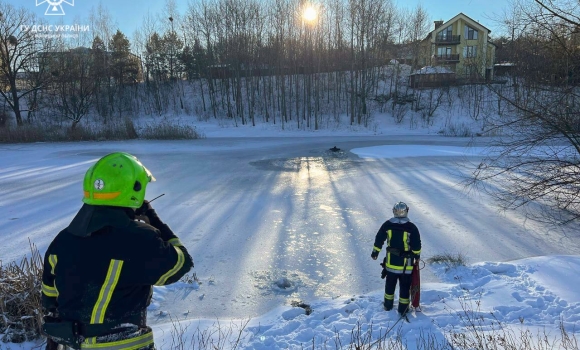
(530,294)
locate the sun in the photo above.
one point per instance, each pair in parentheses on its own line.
(310,14)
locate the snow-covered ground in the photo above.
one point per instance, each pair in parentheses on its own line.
(273,220)
(528,300)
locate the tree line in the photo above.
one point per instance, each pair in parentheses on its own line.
(241,59)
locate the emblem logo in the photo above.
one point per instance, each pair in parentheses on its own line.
(55,6)
(99,184)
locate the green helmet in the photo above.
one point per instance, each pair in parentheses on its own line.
(118,179)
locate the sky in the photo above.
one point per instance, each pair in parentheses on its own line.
(128,14)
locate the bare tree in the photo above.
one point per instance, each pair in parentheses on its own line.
(102,23)
(537,164)
(368,19)
(201,20)
(416,30)
(434,99)
(73,87)
(19,48)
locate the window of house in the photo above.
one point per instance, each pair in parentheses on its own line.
(443,51)
(470,33)
(470,51)
(445,34)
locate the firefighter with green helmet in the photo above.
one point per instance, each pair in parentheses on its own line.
(403,248)
(99,271)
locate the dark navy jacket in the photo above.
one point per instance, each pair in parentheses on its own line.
(403,239)
(102,267)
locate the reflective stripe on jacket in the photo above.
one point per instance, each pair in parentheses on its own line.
(403,239)
(101,269)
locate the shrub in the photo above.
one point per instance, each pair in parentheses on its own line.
(167,130)
(483,331)
(118,130)
(20,299)
(28,133)
(448,259)
(457,130)
(113,130)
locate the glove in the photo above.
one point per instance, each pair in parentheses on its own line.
(147,210)
(384,266)
(375,255)
(143,208)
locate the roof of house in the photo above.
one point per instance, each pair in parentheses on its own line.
(433,70)
(460,14)
(505,64)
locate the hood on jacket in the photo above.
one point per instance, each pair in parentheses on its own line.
(92,218)
(399,220)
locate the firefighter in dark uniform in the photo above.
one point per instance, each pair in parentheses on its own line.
(403,249)
(99,271)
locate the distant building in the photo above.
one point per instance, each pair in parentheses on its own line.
(503,68)
(94,63)
(462,46)
(432,77)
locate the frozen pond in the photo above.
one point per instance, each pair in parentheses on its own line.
(269,221)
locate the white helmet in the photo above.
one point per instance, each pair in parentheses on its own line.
(400,210)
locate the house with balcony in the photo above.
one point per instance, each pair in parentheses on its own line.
(462,46)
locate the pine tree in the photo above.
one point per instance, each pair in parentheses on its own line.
(124,65)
